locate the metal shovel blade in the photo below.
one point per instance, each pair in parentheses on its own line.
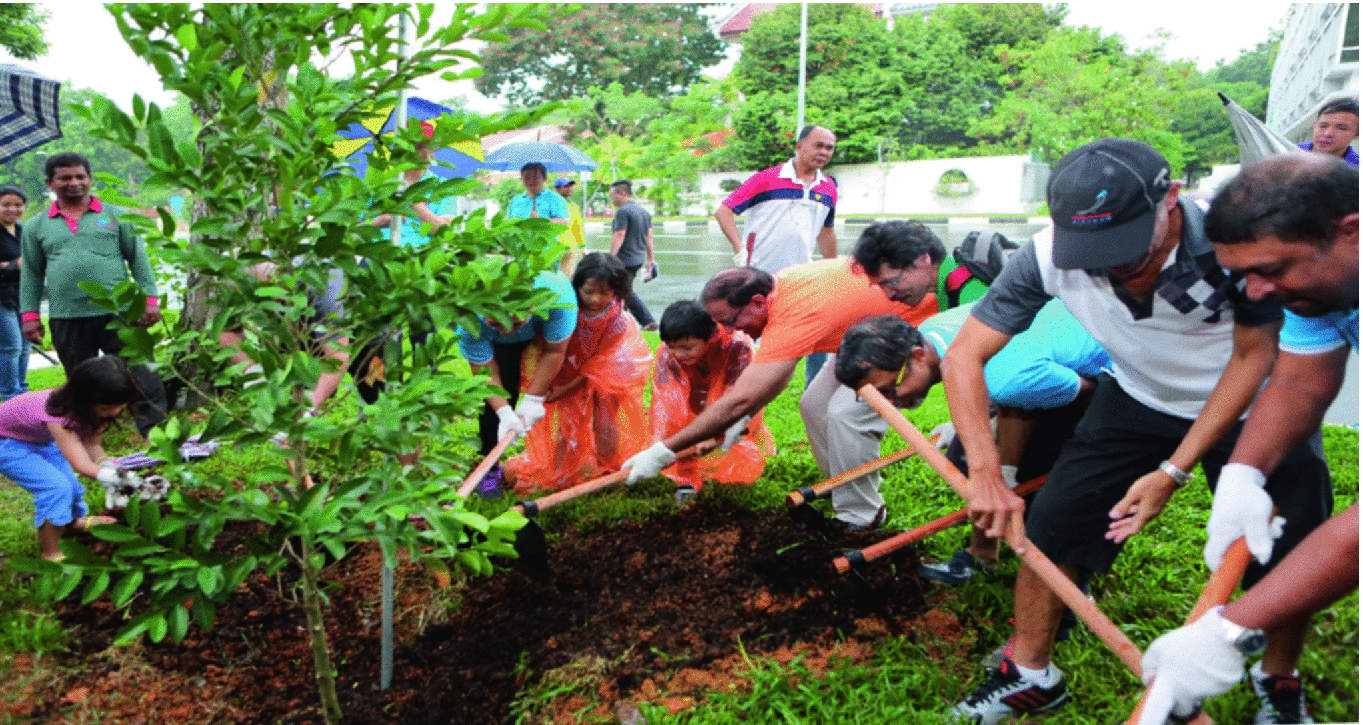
(532,549)
(808,515)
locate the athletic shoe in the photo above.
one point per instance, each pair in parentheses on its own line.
(1281,698)
(954,571)
(491,485)
(1006,694)
(685,493)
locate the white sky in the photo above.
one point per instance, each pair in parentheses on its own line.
(1205,31)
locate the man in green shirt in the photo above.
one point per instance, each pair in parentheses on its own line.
(79,240)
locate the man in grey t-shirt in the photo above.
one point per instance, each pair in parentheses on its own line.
(632,242)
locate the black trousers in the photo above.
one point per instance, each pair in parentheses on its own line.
(78,339)
(635,305)
(507,356)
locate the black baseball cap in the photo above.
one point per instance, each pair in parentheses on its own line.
(1103,198)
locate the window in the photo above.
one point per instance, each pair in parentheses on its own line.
(1348,51)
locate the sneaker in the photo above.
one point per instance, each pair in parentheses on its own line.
(685,494)
(491,485)
(1006,694)
(1281,698)
(954,571)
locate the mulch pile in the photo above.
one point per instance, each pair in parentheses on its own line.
(655,611)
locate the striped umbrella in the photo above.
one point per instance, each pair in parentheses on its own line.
(28,111)
(459,159)
(556,157)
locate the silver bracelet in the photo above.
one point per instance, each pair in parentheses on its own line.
(1180,477)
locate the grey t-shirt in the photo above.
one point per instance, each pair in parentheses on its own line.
(636,221)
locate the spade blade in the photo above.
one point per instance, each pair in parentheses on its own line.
(532,549)
(809,516)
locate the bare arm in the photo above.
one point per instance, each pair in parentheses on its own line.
(729,225)
(1291,408)
(617,239)
(75,451)
(648,244)
(1015,428)
(828,243)
(494,377)
(550,362)
(757,385)
(992,503)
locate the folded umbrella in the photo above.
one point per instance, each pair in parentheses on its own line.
(1254,138)
(29,111)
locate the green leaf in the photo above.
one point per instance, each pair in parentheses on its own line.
(185,34)
(117,533)
(95,587)
(126,587)
(179,622)
(151,520)
(203,611)
(156,628)
(208,580)
(70,580)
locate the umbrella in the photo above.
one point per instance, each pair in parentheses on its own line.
(556,157)
(28,111)
(465,157)
(1254,138)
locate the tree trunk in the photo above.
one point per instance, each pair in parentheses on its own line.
(321,654)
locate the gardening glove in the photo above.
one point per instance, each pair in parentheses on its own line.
(109,474)
(531,410)
(741,258)
(946,433)
(648,463)
(1241,507)
(733,433)
(509,421)
(1189,665)
(1010,476)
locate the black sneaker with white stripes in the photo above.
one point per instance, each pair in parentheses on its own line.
(1281,698)
(1006,694)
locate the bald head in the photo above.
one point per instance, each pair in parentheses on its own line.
(1293,197)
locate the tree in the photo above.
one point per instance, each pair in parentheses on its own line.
(658,49)
(21,30)
(271,189)
(1201,120)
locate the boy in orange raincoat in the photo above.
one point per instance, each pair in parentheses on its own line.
(697,362)
(594,410)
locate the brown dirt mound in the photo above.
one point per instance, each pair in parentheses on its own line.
(651,611)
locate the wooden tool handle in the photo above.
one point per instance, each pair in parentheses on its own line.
(875,551)
(487,463)
(606,481)
(819,490)
(915,438)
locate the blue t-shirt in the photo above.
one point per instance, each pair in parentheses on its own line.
(557,327)
(549,205)
(1350,155)
(1040,367)
(411,226)
(1316,335)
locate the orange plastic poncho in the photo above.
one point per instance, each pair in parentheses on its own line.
(680,393)
(591,430)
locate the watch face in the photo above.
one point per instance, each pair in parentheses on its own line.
(1252,642)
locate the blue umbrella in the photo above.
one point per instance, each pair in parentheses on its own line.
(28,111)
(556,157)
(464,156)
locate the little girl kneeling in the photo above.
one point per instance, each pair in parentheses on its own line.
(594,410)
(48,436)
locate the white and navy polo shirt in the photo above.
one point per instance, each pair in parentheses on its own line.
(784,216)
(1168,350)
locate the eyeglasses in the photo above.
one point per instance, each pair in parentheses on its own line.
(893,283)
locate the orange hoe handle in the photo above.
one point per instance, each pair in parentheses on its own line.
(1217,592)
(530,508)
(819,490)
(487,463)
(843,564)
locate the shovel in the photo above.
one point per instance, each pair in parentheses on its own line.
(487,463)
(530,543)
(855,559)
(797,501)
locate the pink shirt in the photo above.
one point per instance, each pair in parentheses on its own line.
(24,417)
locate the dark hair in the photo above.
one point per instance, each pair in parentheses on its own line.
(808,129)
(897,243)
(536,166)
(623,184)
(883,342)
(606,268)
(1294,197)
(1340,105)
(104,380)
(685,318)
(11,189)
(63,160)
(737,286)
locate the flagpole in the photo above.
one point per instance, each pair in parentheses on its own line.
(804,43)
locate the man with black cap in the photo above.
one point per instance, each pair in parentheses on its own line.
(1190,351)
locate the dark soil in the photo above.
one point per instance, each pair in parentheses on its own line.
(642,611)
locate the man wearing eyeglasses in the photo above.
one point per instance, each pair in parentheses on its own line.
(808,308)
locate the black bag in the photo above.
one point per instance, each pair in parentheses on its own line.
(982,256)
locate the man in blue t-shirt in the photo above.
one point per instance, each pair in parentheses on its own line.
(1289,224)
(497,351)
(1335,129)
(537,201)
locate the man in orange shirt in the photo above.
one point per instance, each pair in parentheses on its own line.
(805,309)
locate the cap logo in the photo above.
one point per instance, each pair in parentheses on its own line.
(1091,214)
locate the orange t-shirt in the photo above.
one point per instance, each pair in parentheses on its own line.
(813,305)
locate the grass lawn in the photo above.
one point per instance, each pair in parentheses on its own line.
(910,680)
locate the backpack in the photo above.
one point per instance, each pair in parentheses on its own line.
(982,256)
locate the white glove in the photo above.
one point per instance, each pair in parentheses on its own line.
(741,258)
(1010,476)
(531,410)
(1241,508)
(946,433)
(734,433)
(109,475)
(648,463)
(1189,665)
(509,421)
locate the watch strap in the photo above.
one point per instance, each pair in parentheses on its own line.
(1180,476)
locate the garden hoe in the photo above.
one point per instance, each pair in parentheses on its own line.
(798,501)
(530,543)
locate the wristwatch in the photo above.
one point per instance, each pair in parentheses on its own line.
(1249,642)
(1176,473)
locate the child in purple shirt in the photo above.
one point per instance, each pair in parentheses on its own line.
(48,436)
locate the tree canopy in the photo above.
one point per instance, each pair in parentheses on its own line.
(21,30)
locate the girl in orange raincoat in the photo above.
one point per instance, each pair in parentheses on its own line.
(697,363)
(594,410)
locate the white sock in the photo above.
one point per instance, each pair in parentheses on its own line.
(1041,677)
(1257,671)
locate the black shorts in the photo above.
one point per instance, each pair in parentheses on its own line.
(1118,441)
